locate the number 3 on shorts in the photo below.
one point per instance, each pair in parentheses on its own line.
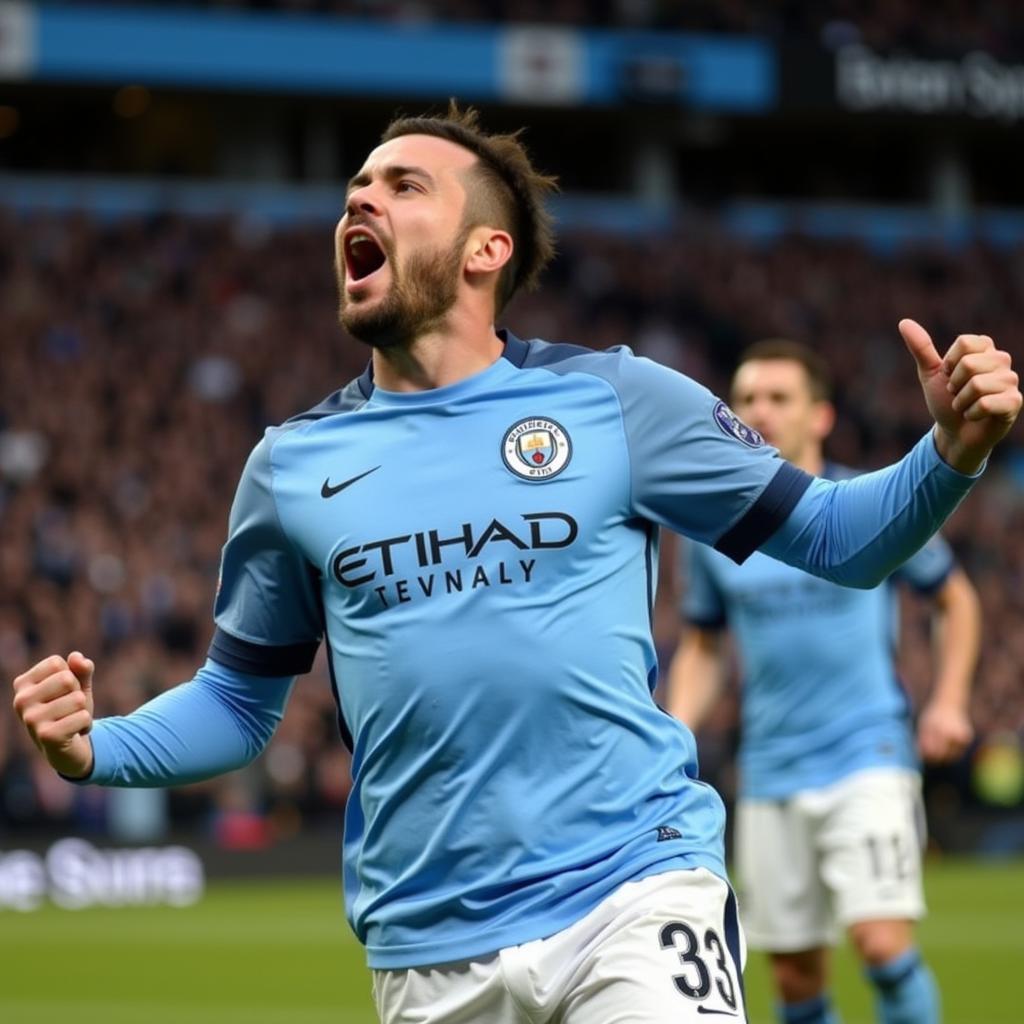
(695,981)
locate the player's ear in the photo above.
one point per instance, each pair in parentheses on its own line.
(489,249)
(823,419)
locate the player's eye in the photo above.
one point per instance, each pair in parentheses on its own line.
(407,186)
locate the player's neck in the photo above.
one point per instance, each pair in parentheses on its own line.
(811,460)
(460,348)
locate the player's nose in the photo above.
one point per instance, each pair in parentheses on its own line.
(363,200)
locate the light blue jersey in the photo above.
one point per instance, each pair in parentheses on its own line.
(820,696)
(484,557)
(479,560)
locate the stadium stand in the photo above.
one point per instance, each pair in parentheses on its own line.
(142,357)
(166,289)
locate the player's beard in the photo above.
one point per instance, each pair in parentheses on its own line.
(418,299)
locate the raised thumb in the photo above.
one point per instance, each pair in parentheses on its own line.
(919,344)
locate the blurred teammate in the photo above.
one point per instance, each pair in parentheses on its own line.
(829,820)
(471,527)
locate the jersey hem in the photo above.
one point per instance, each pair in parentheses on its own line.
(824,781)
(432,954)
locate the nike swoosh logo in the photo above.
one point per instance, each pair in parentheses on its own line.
(327,491)
(720,1013)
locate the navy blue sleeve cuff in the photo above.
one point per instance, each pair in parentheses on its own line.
(932,587)
(766,515)
(707,622)
(260,659)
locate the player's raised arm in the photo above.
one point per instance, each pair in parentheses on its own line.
(267,633)
(698,469)
(856,532)
(215,723)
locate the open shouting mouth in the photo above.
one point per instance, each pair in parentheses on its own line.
(364,255)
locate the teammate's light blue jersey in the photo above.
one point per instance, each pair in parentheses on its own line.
(820,695)
(481,558)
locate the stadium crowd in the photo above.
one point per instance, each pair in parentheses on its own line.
(141,360)
(953,26)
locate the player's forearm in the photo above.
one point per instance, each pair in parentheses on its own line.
(957,641)
(856,532)
(217,722)
(695,679)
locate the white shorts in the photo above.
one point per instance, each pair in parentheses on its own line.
(846,853)
(664,950)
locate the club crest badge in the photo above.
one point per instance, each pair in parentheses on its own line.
(729,423)
(536,449)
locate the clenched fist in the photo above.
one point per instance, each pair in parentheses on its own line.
(54,700)
(943,733)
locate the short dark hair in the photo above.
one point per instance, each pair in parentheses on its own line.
(819,379)
(512,194)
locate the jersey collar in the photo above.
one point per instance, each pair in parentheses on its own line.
(515,352)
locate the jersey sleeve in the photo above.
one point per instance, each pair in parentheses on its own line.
(702,605)
(926,571)
(215,723)
(857,532)
(268,609)
(695,466)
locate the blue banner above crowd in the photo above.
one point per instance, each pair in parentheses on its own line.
(285,53)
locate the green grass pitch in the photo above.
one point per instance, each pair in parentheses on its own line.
(281,953)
